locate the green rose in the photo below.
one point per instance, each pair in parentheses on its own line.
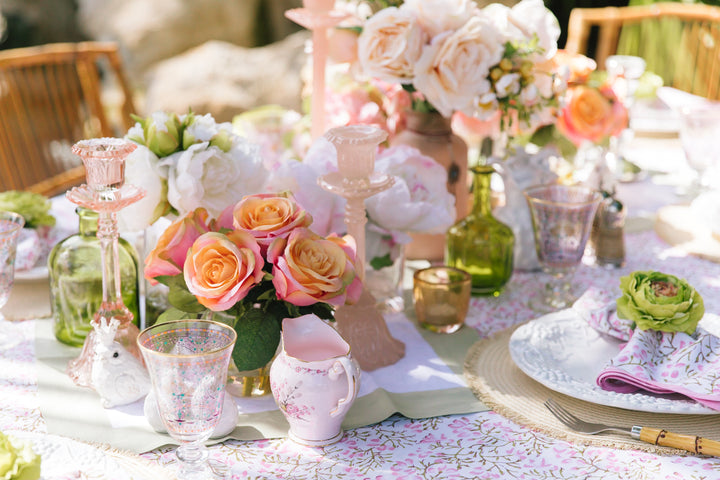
(17,460)
(658,301)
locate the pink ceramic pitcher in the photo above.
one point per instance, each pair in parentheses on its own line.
(314,380)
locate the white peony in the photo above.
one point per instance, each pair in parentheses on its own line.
(206,176)
(452,72)
(438,16)
(203,128)
(327,209)
(141,171)
(390,44)
(419,200)
(531,17)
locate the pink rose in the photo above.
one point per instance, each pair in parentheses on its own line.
(220,269)
(169,253)
(308,268)
(267,216)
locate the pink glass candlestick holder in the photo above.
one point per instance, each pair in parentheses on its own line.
(106,193)
(317,16)
(361,324)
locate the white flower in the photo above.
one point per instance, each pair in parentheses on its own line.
(508,84)
(453,70)
(141,170)
(390,44)
(487,106)
(419,200)
(327,209)
(203,128)
(205,176)
(437,16)
(529,95)
(531,17)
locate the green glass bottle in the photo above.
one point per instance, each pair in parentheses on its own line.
(75,272)
(479,243)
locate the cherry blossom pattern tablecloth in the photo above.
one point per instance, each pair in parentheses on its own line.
(483,445)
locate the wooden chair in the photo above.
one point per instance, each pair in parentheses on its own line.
(680,42)
(51,96)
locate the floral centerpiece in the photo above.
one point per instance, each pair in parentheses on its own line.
(255,264)
(457,57)
(186,162)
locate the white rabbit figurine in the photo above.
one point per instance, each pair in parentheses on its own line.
(117,376)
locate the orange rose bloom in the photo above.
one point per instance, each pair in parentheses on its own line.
(591,114)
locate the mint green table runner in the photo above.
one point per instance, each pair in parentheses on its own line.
(428,382)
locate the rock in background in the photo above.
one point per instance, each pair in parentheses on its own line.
(225,79)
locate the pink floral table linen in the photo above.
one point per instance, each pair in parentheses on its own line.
(658,362)
(475,446)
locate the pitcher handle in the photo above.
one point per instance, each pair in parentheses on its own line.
(344,403)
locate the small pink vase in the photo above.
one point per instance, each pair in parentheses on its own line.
(314,380)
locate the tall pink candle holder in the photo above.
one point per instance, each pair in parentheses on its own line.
(361,324)
(106,193)
(317,16)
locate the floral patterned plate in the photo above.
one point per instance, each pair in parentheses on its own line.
(564,353)
(65,458)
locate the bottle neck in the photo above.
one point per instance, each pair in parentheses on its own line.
(481,189)
(88,221)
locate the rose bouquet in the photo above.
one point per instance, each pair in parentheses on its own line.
(186,162)
(457,57)
(255,264)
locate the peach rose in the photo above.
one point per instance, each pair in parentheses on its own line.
(267,216)
(390,44)
(453,71)
(592,114)
(220,269)
(168,256)
(308,268)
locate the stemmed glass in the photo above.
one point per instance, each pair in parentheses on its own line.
(699,133)
(10,225)
(188,363)
(562,216)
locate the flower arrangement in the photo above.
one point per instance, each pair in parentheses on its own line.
(457,57)
(255,264)
(185,162)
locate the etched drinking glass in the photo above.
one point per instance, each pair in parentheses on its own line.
(562,216)
(188,363)
(699,133)
(10,225)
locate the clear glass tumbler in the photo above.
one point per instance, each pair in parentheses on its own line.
(10,225)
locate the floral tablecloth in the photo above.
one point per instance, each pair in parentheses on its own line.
(482,445)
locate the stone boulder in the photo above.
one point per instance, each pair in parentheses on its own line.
(150,31)
(225,79)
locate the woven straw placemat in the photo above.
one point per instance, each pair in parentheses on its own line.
(502,386)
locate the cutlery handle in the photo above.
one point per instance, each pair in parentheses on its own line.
(690,443)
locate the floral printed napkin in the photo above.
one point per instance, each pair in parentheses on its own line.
(654,361)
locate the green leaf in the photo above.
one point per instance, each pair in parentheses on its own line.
(181,298)
(258,336)
(173,314)
(378,263)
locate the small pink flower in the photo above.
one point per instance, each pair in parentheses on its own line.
(168,256)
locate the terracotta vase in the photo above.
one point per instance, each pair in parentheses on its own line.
(432,134)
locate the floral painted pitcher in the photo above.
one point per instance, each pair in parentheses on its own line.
(314,380)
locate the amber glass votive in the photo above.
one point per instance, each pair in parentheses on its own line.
(442,298)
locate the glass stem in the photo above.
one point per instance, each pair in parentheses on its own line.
(193,461)
(557,290)
(112,302)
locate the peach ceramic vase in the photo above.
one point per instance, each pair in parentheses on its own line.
(431,133)
(314,380)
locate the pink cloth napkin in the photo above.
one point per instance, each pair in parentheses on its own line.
(654,361)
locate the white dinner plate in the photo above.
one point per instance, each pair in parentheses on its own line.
(36,273)
(562,352)
(62,457)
